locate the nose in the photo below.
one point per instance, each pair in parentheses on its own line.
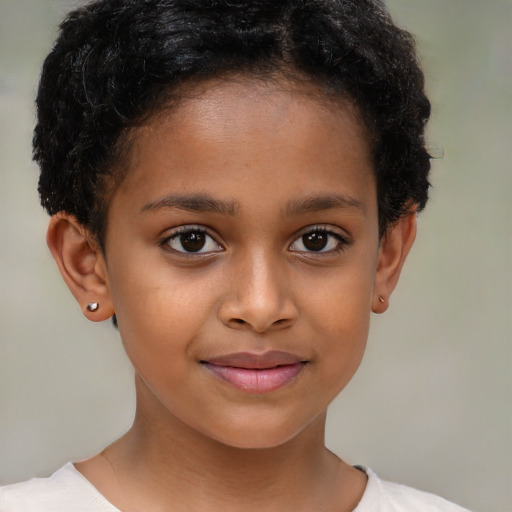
(260,296)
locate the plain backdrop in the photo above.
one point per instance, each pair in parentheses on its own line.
(431,404)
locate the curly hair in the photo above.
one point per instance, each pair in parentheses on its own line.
(117,62)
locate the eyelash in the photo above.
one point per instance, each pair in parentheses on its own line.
(341,244)
(188,230)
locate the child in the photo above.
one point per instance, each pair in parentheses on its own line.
(235,184)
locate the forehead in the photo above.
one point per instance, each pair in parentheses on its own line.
(244,94)
(223,130)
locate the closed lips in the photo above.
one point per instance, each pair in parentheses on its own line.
(256,373)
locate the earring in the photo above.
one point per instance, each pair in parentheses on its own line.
(92,307)
(381,299)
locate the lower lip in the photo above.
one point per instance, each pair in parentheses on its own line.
(256,380)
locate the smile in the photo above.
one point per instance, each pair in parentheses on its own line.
(256,373)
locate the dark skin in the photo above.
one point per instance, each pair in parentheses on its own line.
(247,223)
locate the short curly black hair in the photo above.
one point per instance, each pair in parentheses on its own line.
(117,62)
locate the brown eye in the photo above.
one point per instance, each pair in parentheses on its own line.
(315,241)
(192,241)
(319,240)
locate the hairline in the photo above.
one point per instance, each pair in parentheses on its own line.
(194,87)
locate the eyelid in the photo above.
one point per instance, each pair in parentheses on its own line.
(344,240)
(190,228)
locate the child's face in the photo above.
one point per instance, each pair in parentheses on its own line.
(245,235)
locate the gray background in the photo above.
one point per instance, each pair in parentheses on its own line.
(431,404)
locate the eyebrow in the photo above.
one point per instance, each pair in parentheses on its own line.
(324,202)
(205,203)
(192,203)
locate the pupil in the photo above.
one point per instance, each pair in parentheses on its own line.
(315,241)
(193,241)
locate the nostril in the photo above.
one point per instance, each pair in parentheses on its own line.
(281,323)
(238,321)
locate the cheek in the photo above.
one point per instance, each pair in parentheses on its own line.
(159,296)
(339,313)
(340,302)
(159,316)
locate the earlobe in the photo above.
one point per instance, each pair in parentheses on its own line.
(395,247)
(81,264)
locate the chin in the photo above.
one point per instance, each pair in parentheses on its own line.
(259,435)
(255,442)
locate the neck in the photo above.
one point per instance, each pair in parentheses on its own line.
(163,462)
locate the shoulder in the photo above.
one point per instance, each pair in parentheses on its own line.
(65,490)
(383,496)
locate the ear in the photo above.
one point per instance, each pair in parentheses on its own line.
(394,248)
(81,264)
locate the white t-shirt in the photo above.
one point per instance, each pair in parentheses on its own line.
(67,490)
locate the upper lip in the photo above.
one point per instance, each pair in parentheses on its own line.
(255,361)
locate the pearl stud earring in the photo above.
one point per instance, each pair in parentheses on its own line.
(92,307)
